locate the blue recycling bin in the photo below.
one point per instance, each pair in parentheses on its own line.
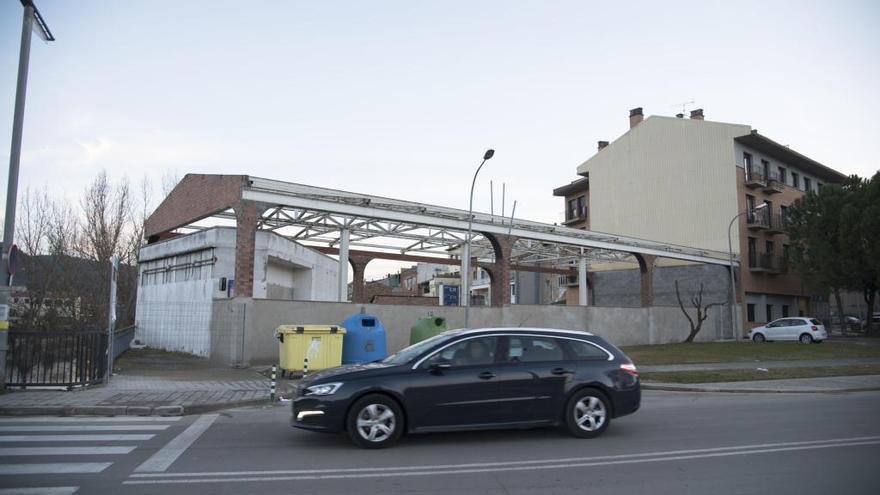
(364,339)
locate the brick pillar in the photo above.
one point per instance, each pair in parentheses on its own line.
(358,286)
(646,269)
(247,213)
(500,270)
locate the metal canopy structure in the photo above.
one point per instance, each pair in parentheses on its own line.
(334,221)
(312,214)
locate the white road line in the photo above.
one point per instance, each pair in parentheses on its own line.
(492,470)
(41,451)
(90,419)
(54,468)
(43,428)
(162,460)
(74,438)
(512,463)
(40,490)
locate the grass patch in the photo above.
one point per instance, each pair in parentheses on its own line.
(730,352)
(712,376)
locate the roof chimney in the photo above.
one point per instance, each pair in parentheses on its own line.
(635,116)
(697,114)
(602,144)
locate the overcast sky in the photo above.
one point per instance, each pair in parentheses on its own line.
(402,98)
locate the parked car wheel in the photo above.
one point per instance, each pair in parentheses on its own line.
(758,338)
(587,414)
(374,422)
(806,338)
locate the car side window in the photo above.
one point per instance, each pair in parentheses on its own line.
(585,350)
(521,349)
(468,352)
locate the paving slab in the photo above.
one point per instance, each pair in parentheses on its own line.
(836,384)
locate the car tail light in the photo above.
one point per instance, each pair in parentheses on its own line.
(814,328)
(628,367)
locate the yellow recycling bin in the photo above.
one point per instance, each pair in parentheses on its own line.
(322,344)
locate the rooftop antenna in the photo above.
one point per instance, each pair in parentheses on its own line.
(683,106)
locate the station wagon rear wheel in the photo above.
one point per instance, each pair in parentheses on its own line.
(806,338)
(587,414)
(374,422)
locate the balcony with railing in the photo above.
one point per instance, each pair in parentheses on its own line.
(772,184)
(778,224)
(755,178)
(757,220)
(768,263)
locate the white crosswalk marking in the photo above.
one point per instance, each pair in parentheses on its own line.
(74,438)
(55,468)
(43,451)
(64,440)
(91,419)
(41,490)
(43,428)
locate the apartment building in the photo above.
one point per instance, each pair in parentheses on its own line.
(684,180)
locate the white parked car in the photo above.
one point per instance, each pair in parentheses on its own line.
(803,329)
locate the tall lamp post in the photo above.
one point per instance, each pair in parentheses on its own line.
(733,324)
(31,17)
(466,255)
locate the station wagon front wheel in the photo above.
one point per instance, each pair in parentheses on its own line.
(374,422)
(758,338)
(587,414)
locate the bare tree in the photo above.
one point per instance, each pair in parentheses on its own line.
(702,311)
(169,181)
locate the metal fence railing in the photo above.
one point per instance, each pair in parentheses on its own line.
(66,359)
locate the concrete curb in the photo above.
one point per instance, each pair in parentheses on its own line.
(126,410)
(746,390)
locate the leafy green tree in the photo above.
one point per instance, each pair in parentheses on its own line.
(836,233)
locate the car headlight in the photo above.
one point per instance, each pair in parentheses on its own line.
(323,389)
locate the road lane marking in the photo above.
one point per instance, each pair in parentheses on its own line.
(510,463)
(162,460)
(74,438)
(54,468)
(40,490)
(83,428)
(24,451)
(77,419)
(433,472)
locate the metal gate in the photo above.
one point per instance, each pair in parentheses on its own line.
(61,359)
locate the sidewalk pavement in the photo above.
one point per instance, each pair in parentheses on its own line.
(834,384)
(759,364)
(141,396)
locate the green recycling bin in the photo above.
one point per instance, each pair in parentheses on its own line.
(427,327)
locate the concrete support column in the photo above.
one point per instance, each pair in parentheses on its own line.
(343,265)
(646,268)
(247,215)
(500,272)
(583,296)
(358,286)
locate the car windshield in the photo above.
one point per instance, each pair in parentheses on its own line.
(409,353)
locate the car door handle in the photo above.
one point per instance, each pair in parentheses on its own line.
(487,375)
(561,371)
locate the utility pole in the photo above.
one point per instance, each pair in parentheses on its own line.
(32,21)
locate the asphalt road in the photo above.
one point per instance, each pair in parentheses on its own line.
(678,443)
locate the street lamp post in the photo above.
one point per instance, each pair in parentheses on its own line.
(31,16)
(732,299)
(466,254)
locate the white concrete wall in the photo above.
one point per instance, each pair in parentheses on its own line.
(179,278)
(311,275)
(669,180)
(621,326)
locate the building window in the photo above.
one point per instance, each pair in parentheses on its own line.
(750,312)
(750,208)
(818,186)
(768,247)
(785,310)
(795,180)
(808,186)
(582,207)
(752,253)
(769,312)
(783,215)
(783,178)
(765,168)
(747,165)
